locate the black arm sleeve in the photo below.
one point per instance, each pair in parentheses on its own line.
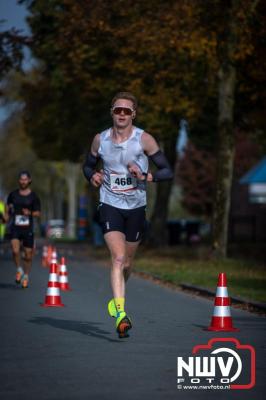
(89,166)
(164,172)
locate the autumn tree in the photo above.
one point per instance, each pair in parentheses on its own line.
(196,176)
(16,154)
(91,49)
(196,173)
(11,50)
(174,56)
(233,34)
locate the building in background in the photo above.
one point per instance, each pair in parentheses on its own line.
(248,206)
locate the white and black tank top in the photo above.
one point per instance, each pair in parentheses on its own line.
(119,188)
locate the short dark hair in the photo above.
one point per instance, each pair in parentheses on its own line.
(126,96)
(24,172)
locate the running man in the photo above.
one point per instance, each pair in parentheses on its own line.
(125,151)
(22,205)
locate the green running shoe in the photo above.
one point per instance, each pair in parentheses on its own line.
(112,308)
(123,324)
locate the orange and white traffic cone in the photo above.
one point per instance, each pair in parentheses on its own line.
(49,256)
(221,319)
(54,256)
(53,298)
(44,256)
(63,276)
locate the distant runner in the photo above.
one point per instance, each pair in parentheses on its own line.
(22,206)
(125,151)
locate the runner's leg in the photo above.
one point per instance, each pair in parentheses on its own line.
(131,248)
(28,247)
(27,262)
(134,228)
(117,246)
(15,246)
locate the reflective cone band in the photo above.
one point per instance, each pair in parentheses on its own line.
(63,276)
(53,298)
(54,256)
(221,319)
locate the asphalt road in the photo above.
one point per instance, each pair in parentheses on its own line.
(73,353)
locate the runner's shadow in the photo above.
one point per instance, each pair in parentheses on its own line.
(10,286)
(204,327)
(84,327)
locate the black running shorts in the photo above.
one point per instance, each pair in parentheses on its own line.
(130,222)
(25,236)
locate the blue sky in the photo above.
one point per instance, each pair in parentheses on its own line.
(14,17)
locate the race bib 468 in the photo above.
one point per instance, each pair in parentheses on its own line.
(122,182)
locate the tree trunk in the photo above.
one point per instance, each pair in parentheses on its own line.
(226,146)
(72,173)
(225,160)
(59,196)
(158,232)
(227,85)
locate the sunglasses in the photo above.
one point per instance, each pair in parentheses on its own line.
(126,111)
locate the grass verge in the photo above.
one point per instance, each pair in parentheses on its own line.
(245,278)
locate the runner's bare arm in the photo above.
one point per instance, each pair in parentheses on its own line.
(149,144)
(95,145)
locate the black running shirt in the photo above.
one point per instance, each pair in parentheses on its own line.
(16,203)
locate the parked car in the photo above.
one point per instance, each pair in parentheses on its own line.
(55,228)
